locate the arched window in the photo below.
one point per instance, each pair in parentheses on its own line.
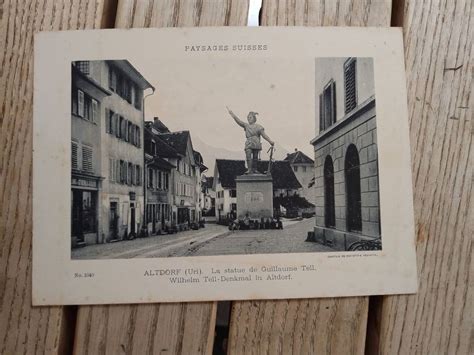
(329,210)
(353,197)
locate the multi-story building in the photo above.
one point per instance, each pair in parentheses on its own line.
(186,179)
(159,179)
(118,120)
(285,183)
(303,167)
(87,113)
(123,191)
(346,166)
(185,171)
(208,200)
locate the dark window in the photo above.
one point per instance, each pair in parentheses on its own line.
(353,196)
(110,122)
(327,106)
(74,98)
(233,193)
(112,79)
(121,133)
(150,178)
(329,209)
(350,98)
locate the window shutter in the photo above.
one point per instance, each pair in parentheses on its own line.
(350,85)
(74,159)
(87,158)
(321,113)
(107,120)
(117,125)
(117,171)
(333,102)
(95,111)
(80,103)
(111,169)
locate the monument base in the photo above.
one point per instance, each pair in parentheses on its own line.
(254,196)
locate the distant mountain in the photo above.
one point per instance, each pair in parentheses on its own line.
(210,153)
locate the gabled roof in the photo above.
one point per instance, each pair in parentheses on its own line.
(161,163)
(163,149)
(298,157)
(282,173)
(133,73)
(158,125)
(177,140)
(209,182)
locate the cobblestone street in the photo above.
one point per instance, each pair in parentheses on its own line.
(212,240)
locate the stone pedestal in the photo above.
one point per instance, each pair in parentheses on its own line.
(254,196)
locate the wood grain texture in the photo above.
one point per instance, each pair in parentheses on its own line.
(326,12)
(157,328)
(438,50)
(322,326)
(24,329)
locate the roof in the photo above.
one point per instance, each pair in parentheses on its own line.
(85,81)
(136,76)
(299,157)
(282,173)
(163,149)
(209,182)
(158,125)
(161,163)
(177,140)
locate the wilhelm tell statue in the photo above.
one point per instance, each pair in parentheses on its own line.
(253,146)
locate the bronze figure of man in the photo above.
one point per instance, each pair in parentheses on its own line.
(253,146)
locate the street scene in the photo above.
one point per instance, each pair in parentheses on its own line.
(140,188)
(214,239)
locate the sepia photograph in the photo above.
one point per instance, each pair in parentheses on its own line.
(221,164)
(144,184)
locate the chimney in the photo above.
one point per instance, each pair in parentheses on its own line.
(156,119)
(296,149)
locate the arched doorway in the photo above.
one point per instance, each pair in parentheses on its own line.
(329,209)
(353,196)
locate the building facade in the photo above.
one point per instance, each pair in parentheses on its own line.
(87,112)
(303,167)
(346,166)
(159,181)
(186,166)
(116,152)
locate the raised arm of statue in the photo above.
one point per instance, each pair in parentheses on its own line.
(236,119)
(267,138)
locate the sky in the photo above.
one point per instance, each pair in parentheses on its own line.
(192,94)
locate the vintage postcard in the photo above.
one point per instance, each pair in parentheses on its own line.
(221,164)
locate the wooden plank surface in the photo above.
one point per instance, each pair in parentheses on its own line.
(322,326)
(24,329)
(157,328)
(438,38)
